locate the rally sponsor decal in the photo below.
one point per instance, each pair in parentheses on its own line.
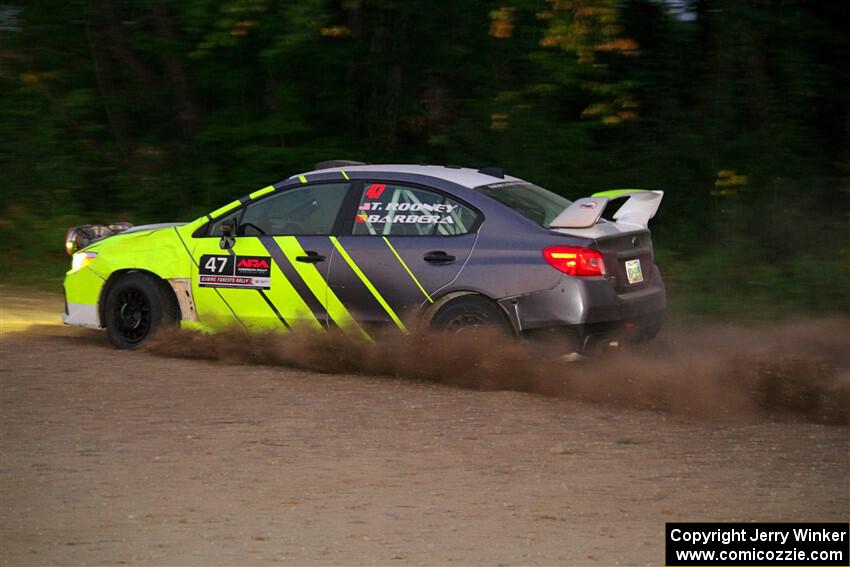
(405,219)
(391,213)
(244,272)
(375,190)
(257,266)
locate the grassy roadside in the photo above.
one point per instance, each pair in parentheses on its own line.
(708,283)
(44,275)
(712,286)
(689,297)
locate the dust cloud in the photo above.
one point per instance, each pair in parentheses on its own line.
(779,370)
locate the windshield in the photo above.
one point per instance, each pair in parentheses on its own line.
(531,201)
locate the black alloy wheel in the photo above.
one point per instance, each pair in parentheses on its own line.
(470,313)
(136,306)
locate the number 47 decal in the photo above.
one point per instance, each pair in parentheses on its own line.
(211,264)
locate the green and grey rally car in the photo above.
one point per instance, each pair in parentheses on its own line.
(363,247)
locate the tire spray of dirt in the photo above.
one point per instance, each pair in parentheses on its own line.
(794,368)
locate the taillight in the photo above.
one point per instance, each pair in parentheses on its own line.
(575,261)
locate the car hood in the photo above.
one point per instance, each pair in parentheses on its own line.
(134,232)
(156,226)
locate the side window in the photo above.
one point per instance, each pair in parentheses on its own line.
(308,210)
(398,210)
(215,227)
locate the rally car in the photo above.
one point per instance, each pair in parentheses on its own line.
(364,247)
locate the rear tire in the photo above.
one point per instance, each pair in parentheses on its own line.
(136,307)
(470,312)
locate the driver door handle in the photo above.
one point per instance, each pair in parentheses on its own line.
(311,257)
(439,257)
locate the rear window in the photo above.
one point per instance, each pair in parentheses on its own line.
(529,200)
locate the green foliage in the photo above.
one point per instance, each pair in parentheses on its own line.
(718,284)
(739,110)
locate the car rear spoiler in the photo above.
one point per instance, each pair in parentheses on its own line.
(641,206)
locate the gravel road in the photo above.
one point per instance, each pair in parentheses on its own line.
(115,457)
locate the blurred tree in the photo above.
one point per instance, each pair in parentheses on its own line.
(158,109)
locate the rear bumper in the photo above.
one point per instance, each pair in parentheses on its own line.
(588,338)
(589,306)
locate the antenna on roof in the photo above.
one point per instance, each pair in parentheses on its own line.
(337,163)
(493,172)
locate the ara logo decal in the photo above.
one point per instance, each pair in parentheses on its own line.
(375,190)
(252,263)
(589,205)
(253,266)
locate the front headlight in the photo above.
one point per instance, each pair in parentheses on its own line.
(72,243)
(82,259)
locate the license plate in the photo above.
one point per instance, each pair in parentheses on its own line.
(633,271)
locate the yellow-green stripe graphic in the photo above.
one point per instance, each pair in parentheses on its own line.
(302,178)
(261,192)
(282,294)
(356,269)
(344,174)
(407,269)
(228,207)
(319,287)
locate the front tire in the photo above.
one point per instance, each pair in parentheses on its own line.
(470,313)
(136,307)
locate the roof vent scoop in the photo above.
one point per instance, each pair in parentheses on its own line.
(337,163)
(493,172)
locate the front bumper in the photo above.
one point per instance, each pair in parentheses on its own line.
(82,294)
(81,315)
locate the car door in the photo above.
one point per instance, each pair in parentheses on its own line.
(275,275)
(405,243)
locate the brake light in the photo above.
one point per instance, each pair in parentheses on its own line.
(575,261)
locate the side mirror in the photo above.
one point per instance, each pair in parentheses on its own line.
(228,232)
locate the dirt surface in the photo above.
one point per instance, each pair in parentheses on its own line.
(115,457)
